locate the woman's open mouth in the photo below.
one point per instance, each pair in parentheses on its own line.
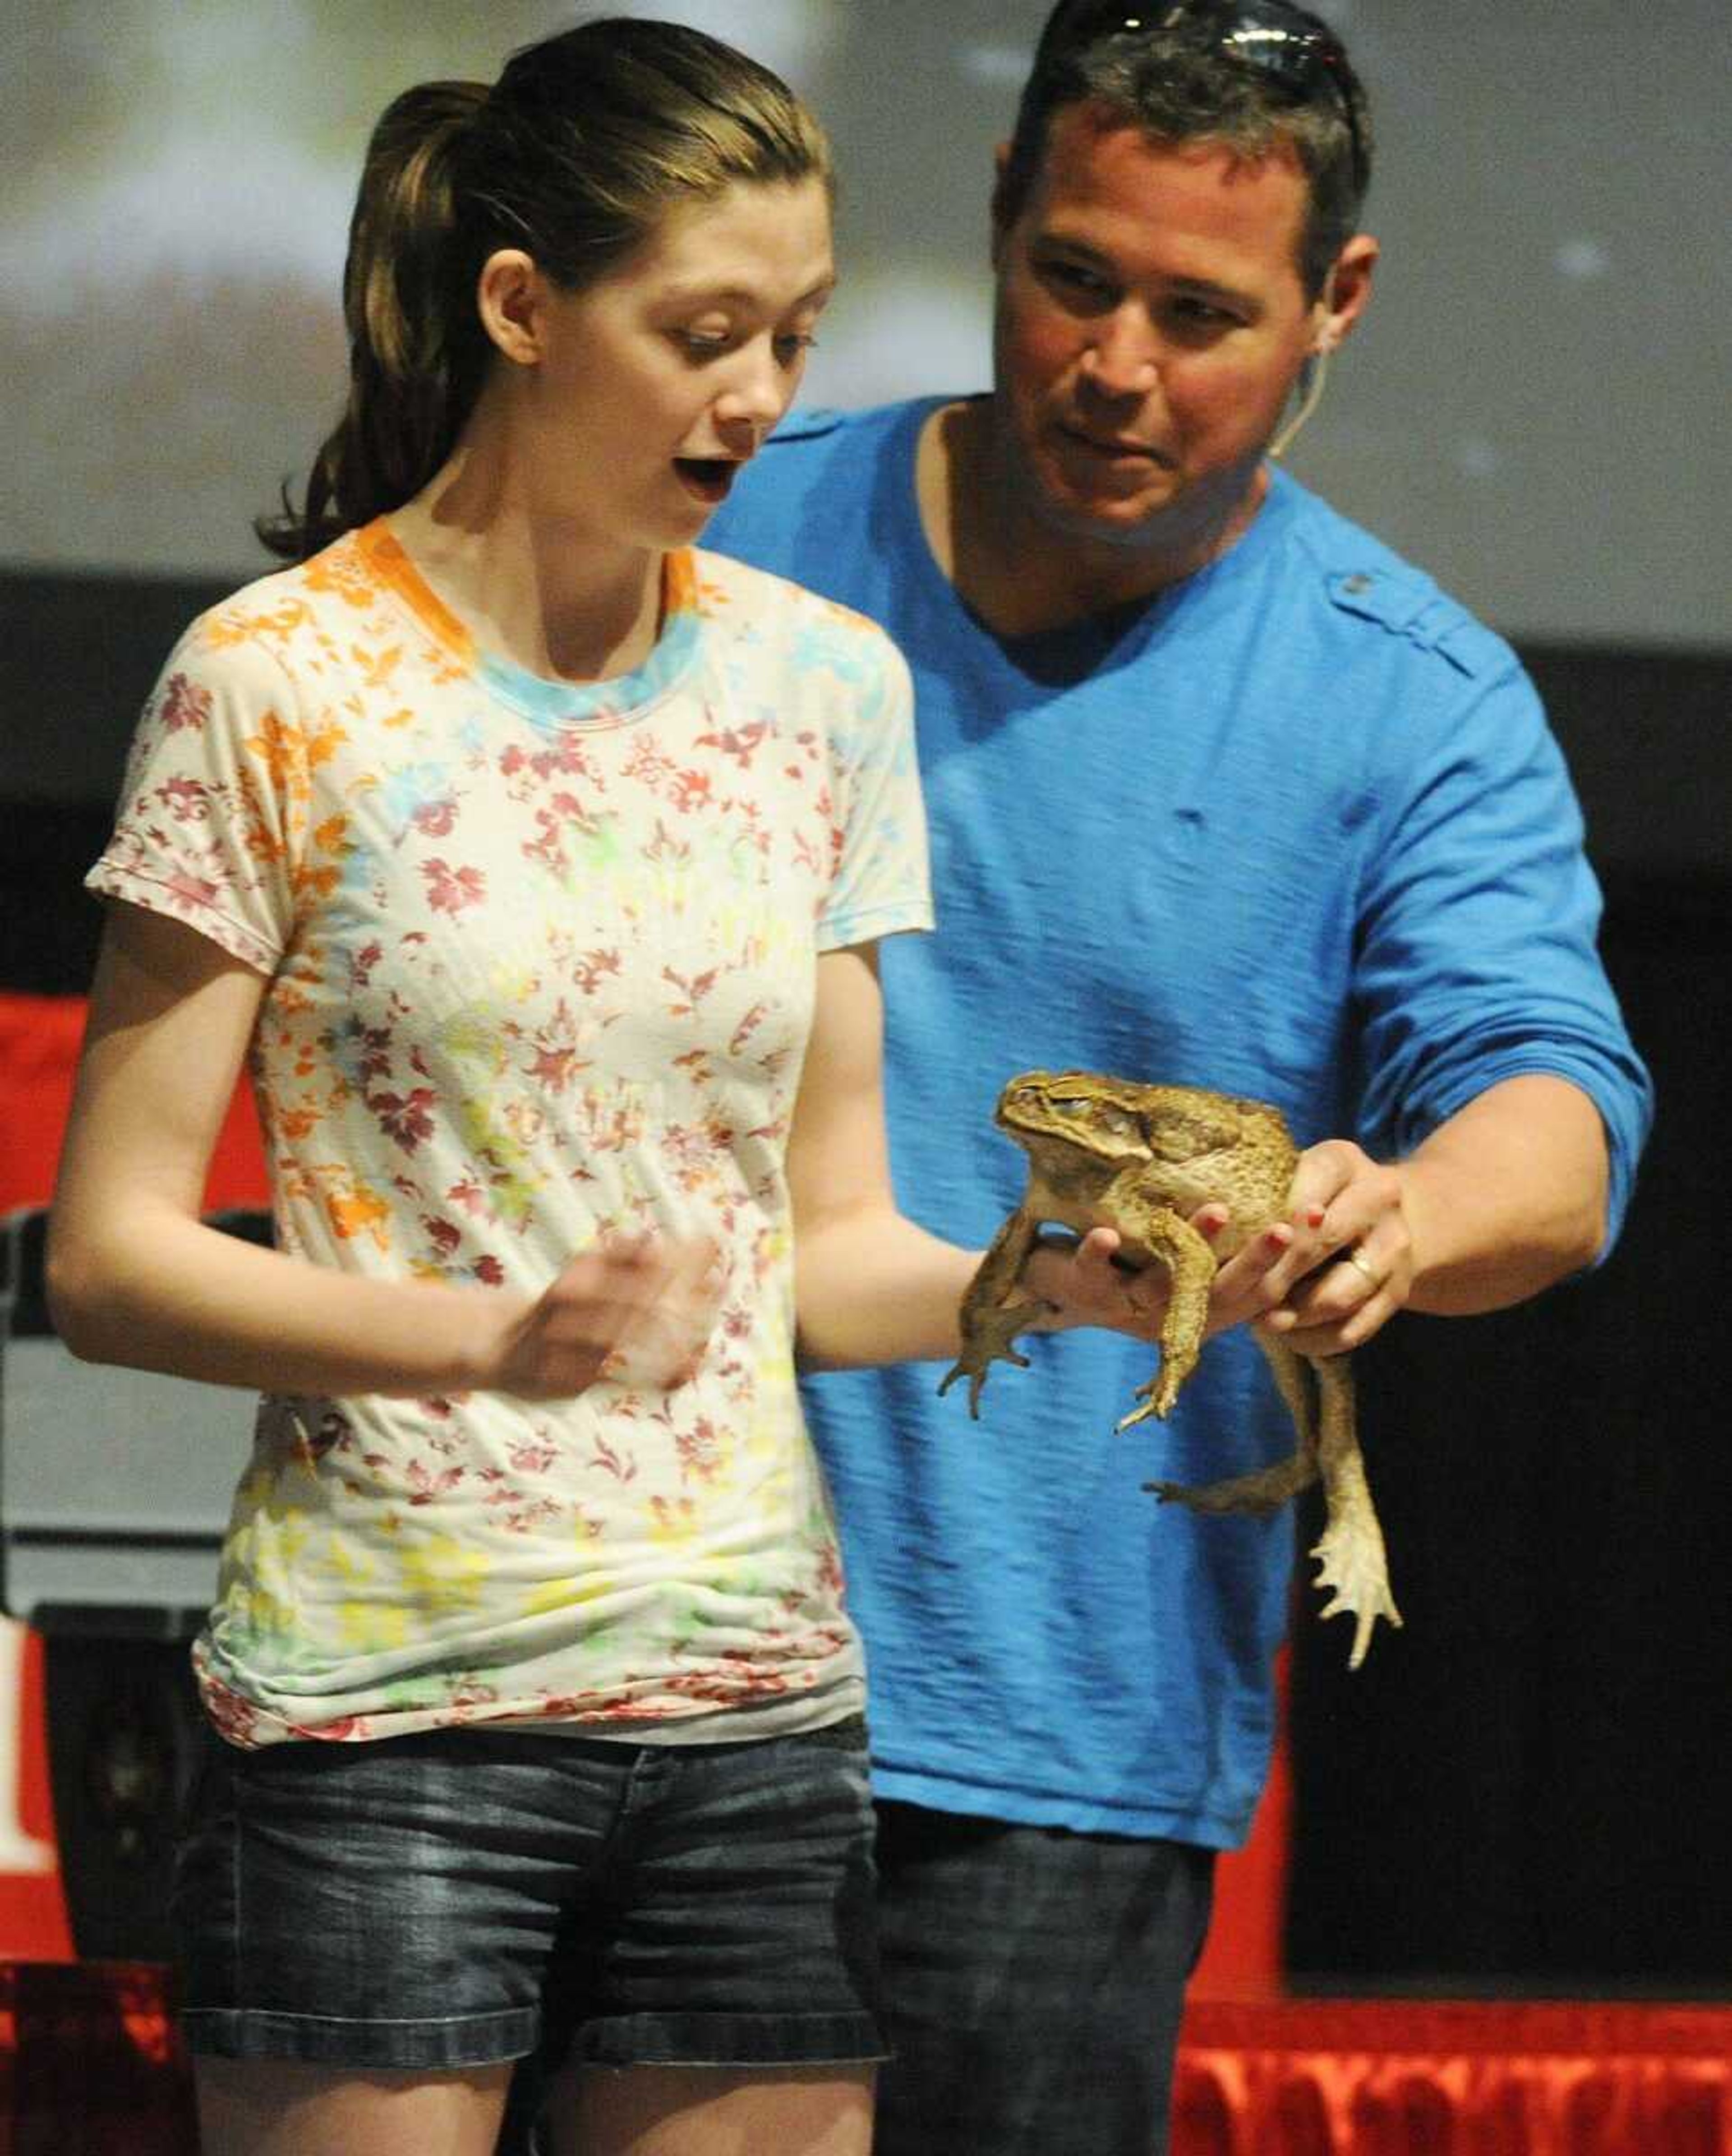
(707,478)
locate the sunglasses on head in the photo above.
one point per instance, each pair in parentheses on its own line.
(1285,43)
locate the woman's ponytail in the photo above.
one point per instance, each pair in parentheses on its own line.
(417,350)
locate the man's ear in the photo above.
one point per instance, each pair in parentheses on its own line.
(1347,292)
(510,297)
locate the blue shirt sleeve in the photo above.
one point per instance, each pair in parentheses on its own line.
(1478,922)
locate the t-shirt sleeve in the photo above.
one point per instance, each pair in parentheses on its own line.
(881,885)
(1478,959)
(214,799)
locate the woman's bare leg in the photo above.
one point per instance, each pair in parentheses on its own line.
(711,2111)
(268,2108)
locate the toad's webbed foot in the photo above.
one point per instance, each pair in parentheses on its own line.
(987,1335)
(1350,1560)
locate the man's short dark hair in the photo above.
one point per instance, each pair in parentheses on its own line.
(1176,87)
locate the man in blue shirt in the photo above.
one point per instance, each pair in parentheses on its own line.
(1222,793)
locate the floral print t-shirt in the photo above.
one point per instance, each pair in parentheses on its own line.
(540,962)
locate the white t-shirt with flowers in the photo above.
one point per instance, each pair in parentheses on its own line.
(541,961)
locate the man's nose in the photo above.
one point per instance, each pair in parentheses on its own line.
(1121,356)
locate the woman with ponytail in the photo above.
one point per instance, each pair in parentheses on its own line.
(533,861)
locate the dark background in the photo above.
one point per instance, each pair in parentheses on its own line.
(1525,1790)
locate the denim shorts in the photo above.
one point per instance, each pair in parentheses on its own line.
(467,1898)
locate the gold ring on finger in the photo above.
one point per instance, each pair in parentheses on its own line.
(1356,1259)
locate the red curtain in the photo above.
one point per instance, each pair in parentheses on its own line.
(1290,2077)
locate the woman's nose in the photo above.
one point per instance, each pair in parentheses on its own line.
(756,397)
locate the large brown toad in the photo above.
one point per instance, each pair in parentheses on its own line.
(1106,1152)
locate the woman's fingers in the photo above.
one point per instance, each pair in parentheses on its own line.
(637,1309)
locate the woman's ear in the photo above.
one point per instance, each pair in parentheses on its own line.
(511,297)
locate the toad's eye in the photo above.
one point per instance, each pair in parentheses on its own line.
(1070,1102)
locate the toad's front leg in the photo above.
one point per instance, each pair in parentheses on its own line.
(1190,1266)
(988,1324)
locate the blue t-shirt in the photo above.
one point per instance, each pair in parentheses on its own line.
(1295,828)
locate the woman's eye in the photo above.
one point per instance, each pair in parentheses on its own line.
(706,341)
(793,345)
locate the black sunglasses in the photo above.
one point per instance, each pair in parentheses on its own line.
(1286,43)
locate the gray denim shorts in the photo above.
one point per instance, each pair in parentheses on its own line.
(467,1898)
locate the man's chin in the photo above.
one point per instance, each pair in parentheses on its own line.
(1129,520)
(1172,517)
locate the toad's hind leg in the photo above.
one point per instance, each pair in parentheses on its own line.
(1265,1488)
(1349,1554)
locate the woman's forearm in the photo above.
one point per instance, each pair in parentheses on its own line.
(872,1287)
(156,1290)
(164,1292)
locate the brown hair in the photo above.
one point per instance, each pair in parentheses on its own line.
(1177,88)
(575,155)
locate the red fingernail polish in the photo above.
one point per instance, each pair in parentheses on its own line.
(1315,1217)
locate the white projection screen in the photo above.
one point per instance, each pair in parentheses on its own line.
(1535,408)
